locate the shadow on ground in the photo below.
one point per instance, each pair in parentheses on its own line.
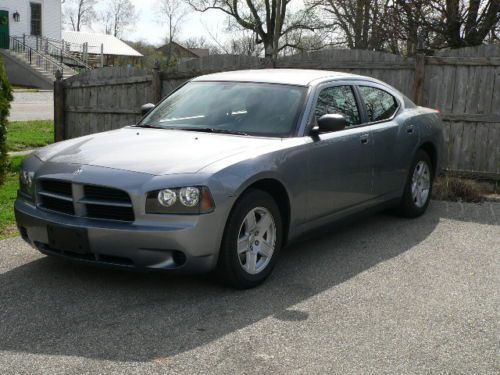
(53,307)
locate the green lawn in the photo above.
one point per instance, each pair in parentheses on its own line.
(21,135)
(8,192)
(24,135)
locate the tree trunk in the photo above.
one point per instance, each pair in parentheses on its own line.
(358,24)
(268,52)
(453,23)
(277,30)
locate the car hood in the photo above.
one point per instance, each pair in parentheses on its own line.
(153,151)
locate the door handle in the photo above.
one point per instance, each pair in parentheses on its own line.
(409,129)
(364,138)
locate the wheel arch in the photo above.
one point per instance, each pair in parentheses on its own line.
(276,188)
(431,150)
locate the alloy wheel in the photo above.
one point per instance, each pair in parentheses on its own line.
(420,184)
(256,240)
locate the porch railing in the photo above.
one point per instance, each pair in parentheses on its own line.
(36,58)
(59,50)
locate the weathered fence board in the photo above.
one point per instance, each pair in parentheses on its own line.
(463,84)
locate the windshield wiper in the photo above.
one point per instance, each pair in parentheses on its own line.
(147,126)
(215,130)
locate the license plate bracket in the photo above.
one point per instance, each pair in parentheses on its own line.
(68,239)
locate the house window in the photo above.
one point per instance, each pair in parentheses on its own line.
(36,19)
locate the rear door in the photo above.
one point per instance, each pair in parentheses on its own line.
(340,163)
(393,137)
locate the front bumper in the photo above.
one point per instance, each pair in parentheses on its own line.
(184,243)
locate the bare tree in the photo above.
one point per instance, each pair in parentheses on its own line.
(464,22)
(400,26)
(306,41)
(359,21)
(269,20)
(78,13)
(117,16)
(172,13)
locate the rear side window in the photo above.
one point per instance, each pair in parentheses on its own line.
(338,99)
(379,104)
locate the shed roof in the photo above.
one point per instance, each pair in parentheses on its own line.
(112,45)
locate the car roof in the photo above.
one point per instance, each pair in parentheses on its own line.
(301,77)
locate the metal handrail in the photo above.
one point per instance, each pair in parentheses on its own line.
(48,45)
(34,57)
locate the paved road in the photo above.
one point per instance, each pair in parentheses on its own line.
(32,106)
(384,295)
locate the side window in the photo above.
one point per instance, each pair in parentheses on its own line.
(36,19)
(338,99)
(380,105)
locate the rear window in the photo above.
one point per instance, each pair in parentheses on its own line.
(379,104)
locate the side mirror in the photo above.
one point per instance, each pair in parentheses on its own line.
(146,108)
(331,123)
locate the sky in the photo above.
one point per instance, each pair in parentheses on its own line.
(149,27)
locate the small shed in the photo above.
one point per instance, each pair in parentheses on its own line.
(100,49)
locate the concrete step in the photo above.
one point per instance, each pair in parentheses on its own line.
(21,56)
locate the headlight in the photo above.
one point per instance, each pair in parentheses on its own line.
(167,197)
(183,200)
(26,182)
(190,196)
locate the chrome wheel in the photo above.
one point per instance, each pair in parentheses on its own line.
(256,240)
(420,184)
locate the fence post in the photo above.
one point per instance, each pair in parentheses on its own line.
(59,126)
(156,83)
(102,55)
(85,56)
(418,94)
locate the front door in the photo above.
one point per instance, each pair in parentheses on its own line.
(4,29)
(341,162)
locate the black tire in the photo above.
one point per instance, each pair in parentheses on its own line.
(408,207)
(229,269)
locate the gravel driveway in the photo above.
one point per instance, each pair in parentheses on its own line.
(382,295)
(32,106)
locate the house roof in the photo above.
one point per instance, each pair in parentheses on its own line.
(201,52)
(194,52)
(112,45)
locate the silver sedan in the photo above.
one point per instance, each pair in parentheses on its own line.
(228,169)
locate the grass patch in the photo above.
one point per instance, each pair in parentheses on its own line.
(8,193)
(21,135)
(25,88)
(24,135)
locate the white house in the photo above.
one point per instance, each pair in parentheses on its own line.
(35,49)
(30,17)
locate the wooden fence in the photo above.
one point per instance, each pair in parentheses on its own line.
(463,84)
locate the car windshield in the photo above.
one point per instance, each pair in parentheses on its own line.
(230,107)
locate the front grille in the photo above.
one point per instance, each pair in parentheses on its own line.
(110,212)
(56,195)
(104,193)
(57,187)
(97,202)
(55,204)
